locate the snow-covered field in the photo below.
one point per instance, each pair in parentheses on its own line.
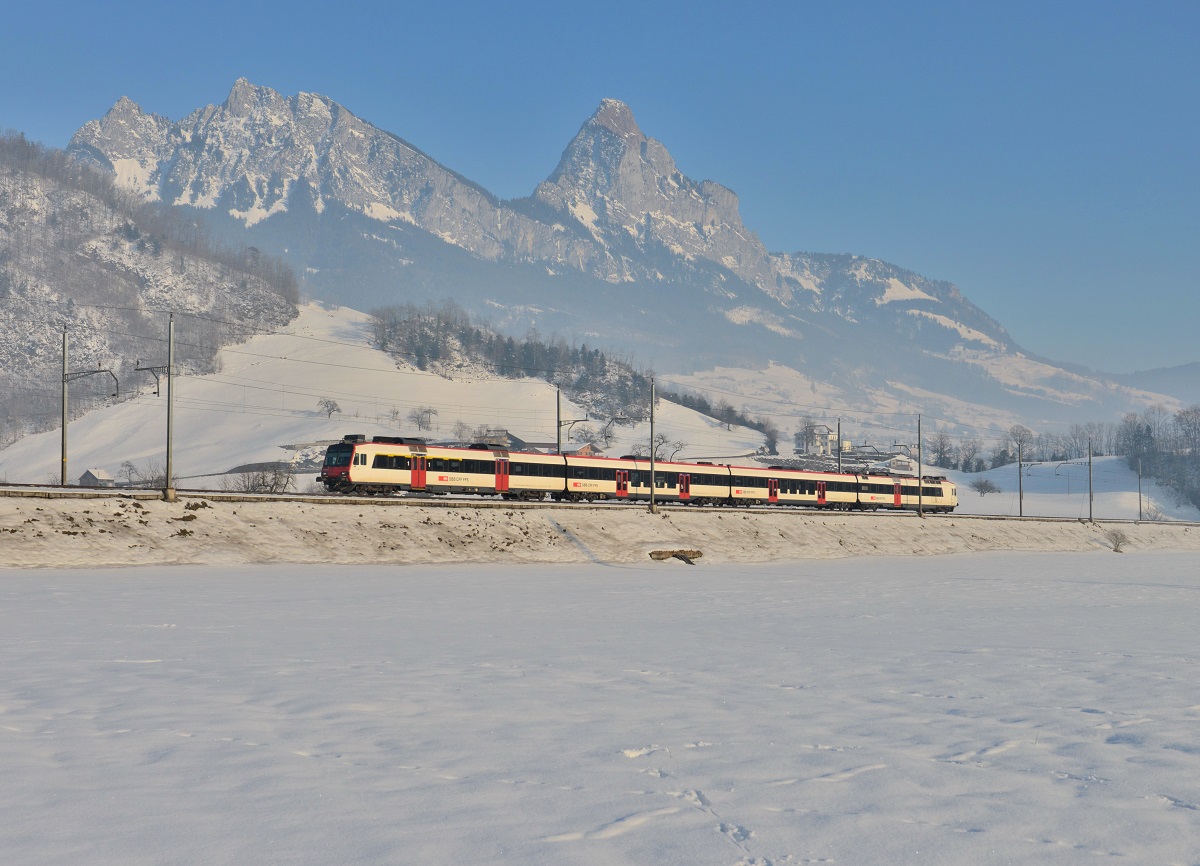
(493,685)
(982,709)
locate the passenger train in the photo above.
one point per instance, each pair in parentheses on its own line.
(391,464)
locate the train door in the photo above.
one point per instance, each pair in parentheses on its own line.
(820,493)
(418,472)
(896,494)
(773,490)
(501,476)
(622,484)
(685,487)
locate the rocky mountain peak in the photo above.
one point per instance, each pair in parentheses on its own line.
(244,97)
(620,183)
(124,108)
(126,140)
(616,116)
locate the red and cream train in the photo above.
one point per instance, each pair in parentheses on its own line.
(388,464)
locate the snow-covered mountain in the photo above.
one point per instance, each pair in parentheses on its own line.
(618,245)
(78,255)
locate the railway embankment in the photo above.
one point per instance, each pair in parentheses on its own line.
(114,531)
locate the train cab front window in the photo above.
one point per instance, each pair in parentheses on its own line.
(339,455)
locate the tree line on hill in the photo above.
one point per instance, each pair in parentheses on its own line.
(444,337)
(1166,447)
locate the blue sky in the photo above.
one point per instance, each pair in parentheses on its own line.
(1043,157)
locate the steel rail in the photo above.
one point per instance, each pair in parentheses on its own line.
(37,491)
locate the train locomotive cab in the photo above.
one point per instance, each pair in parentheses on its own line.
(335,471)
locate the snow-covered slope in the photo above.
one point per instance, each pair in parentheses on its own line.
(1061,490)
(262,406)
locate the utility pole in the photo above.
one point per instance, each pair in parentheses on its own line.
(168,485)
(920,480)
(1139,489)
(70,377)
(1020,482)
(559,423)
(169,369)
(839,444)
(1091,519)
(653,507)
(64,411)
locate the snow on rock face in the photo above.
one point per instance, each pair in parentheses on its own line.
(249,154)
(898,291)
(969,334)
(612,168)
(620,187)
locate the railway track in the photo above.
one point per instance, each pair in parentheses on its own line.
(35,491)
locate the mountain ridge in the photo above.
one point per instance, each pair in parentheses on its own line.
(616,227)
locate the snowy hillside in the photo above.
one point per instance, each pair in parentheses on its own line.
(1061,490)
(262,406)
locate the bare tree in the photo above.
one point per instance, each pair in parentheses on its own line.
(726,414)
(328,405)
(968,451)
(659,443)
(422,417)
(1157,419)
(270,479)
(941,449)
(1021,438)
(584,433)
(984,486)
(131,473)
(1117,538)
(1075,443)
(1187,428)
(806,435)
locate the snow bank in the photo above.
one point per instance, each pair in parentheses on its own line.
(119,531)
